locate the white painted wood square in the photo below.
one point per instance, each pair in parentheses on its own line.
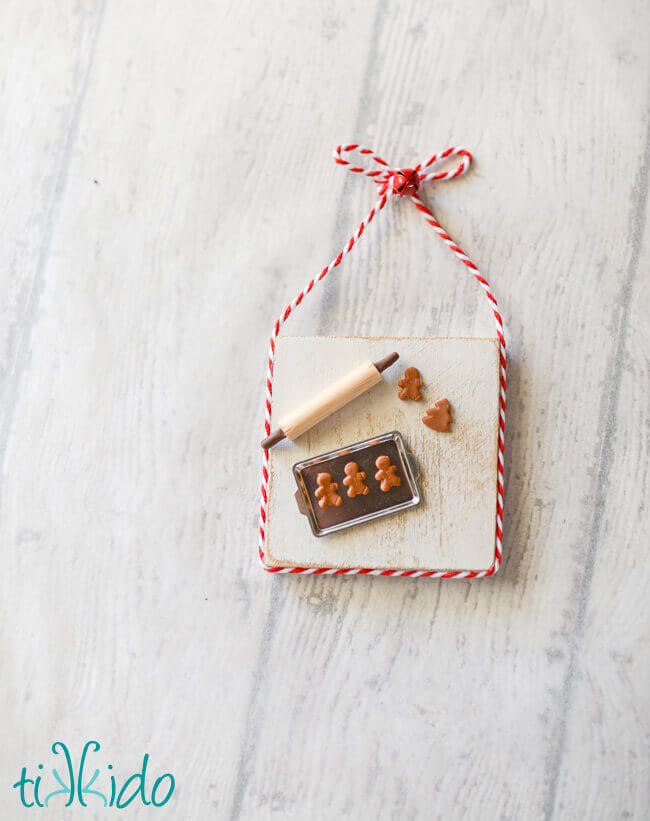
(454,526)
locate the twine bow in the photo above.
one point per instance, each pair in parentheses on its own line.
(403,182)
(393,182)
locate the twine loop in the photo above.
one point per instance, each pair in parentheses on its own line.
(393,183)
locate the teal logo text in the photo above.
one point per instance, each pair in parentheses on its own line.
(83,782)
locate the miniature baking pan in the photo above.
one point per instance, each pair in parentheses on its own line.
(363,507)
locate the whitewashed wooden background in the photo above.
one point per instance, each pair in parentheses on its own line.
(166,188)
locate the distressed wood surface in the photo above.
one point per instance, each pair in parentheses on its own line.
(453,527)
(167,187)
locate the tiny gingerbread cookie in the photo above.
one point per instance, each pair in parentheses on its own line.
(354,480)
(326,491)
(410,385)
(438,417)
(386,474)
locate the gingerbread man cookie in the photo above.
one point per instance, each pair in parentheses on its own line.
(410,385)
(438,417)
(386,475)
(326,491)
(354,480)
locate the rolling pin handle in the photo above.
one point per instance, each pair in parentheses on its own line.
(277,436)
(386,362)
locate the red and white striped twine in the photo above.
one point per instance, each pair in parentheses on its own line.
(387,179)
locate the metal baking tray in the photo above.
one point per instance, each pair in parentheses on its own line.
(360,509)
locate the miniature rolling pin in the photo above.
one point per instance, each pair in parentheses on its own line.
(328,401)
